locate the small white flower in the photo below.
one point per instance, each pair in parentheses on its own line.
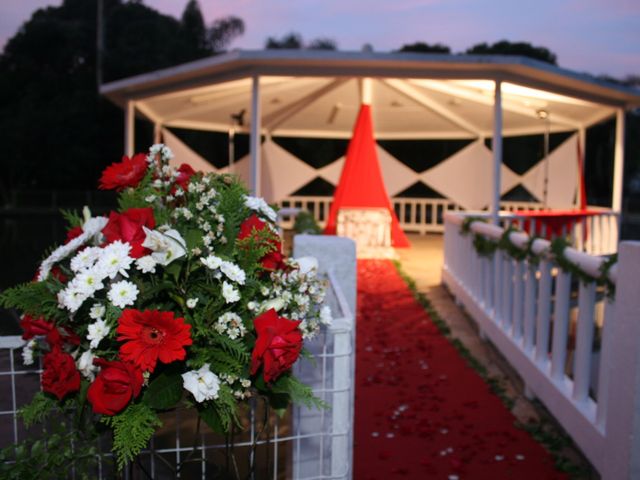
(212,262)
(245,382)
(96,332)
(27,352)
(233,272)
(71,299)
(259,205)
(230,293)
(88,282)
(146,264)
(115,259)
(277,304)
(166,246)
(150,198)
(85,259)
(325,315)
(97,311)
(179,192)
(123,293)
(231,323)
(307,264)
(93,226)
(85,365)
(192,302)
(203,383)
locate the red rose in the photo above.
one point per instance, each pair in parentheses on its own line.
(116,384)
(126,173)
(127,227)
(60,335)
(34,326)
(185,172)
(152,335)
(278,344)
(73,233)
(274,260)
(59,375)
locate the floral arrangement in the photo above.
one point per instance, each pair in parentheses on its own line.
(182,296)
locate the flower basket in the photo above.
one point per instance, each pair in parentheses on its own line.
(180,300)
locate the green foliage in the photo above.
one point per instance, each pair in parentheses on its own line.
(421,47)
(34,298)
(484,246)
(298,392)
(524,49)
(72,217)
(505,245)
(220,413)
(228,207)
(41,406)
(305,223)
(132,430)
(165,390)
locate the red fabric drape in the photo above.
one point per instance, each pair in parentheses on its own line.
(361,183)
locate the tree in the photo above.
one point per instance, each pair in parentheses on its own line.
(524,49)
(422,47)
(294,41)
(223,31)
(192,27)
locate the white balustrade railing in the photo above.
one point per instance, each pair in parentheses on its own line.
(576,349)
(596,233)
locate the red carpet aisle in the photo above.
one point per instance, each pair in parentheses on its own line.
(421,412)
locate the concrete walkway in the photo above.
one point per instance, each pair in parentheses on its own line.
(423,262)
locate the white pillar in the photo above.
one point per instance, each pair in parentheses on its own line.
(129,127)
(622,422)
(366,91)
(255,136)
(618,163)
(496,145)
(582,147)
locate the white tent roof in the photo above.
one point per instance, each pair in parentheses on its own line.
(317,94)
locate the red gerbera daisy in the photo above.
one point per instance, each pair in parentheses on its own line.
(152,335)
(126,173)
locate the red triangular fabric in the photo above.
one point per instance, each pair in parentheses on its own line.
(361,183)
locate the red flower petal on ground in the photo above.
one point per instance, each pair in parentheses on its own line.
(34,326)
(126,173)
(152,335)
(278,344)
(59,375)
(127,227)
(274,260)
(116,384)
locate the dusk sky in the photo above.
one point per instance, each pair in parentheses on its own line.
(594,36)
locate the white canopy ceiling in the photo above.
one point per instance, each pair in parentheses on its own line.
(317,94)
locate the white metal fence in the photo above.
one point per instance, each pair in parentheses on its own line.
(304,444)
(576,350)
(597,233)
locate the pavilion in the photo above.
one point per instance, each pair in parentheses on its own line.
(317,94)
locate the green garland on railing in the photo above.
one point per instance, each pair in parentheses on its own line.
(486,248)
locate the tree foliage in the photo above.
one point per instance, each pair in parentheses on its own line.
(422,47)
(56,130)
(294,41)
(524,49)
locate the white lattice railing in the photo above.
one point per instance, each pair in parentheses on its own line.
(597,234)
(305,444)
(568,342)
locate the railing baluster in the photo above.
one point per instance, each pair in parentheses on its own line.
(605,356)
(560,325)
(584,341)
(544,310)
(518,287)
(507,289)
(497,286)
(530,295)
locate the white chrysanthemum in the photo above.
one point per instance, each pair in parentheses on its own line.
(233,272)
(27,352)
(146,264)
(203,383)
(231,324)
(166,246)
(85,259)
(85,365)
(123,293)
(71,298)
(96,332)
(212,262)
(88,281)
(192,302)
(115,259)
(97,311)
(259,205)
(230,293)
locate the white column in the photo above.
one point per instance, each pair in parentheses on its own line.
(622,350)
(255,136)
(366,91)
(129,127)
(582,145)
(496,145)
(618,162)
